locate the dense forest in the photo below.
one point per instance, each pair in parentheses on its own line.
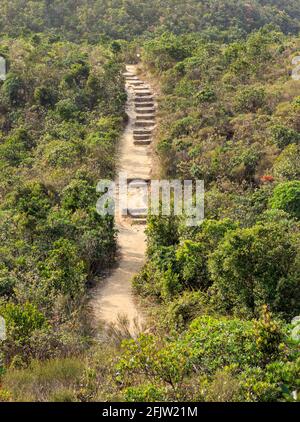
(220,297)
(94,20)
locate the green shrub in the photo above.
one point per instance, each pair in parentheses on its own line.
(45,96)
(169,284)
(283,136)
(78,194)
(287,164)
(78,74)
(249,100)
(66,109)
(257,266)
(184,309)
(161,231)
(278,381)
(216,343)
(210,353)
(168,363)
(286,197)
(32,201)
(63,270)
(22,320)
(14,89)
(190,257)
(16,148)
(144,393)
(183,127)
(7,282)
(61,153)
(206,95)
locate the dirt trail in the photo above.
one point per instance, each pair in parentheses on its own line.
(114,297)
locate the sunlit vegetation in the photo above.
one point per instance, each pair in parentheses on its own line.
(221,296)
(126,19)
(62,108)
(229,114)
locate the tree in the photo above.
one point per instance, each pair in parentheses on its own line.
(283,136)
(16,147)
(63,270)
(22,320)
(286,197)
(257,266)
(287,165)
(161,231)
(66,109)
(45,96)
(78,194)
(14,90)
(7,282)
(249,100)
(33,202)
(192,256)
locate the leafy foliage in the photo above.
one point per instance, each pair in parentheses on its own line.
(56,99)
(127,19)
(286,197)
(221,295)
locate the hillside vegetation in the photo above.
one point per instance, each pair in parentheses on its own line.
(220,297)
(58,137)
(126,19)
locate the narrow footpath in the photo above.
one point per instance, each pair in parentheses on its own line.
(114,298)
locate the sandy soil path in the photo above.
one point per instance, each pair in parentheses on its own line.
(114,297)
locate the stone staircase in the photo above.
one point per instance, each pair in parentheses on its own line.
(143,126)
(113,297)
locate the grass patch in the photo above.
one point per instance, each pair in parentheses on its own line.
(52,380)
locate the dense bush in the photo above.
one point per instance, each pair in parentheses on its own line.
(287,165)
(252,357)
(126,19)
(53,242)
(228,114)
(257,266)
(286,197)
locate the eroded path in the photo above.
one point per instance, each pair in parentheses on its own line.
(114,297)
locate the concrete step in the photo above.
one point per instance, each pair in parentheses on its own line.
(128,74)
(145,117)
(144,104)
(144,110)
(137,181)
(142,132)
(131,78)
(142,142)
(141,137)
(143,94)
(138,215)
(144,123)
(142,99)
(139,221)
(136,83)
(138,211)
(141,88)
